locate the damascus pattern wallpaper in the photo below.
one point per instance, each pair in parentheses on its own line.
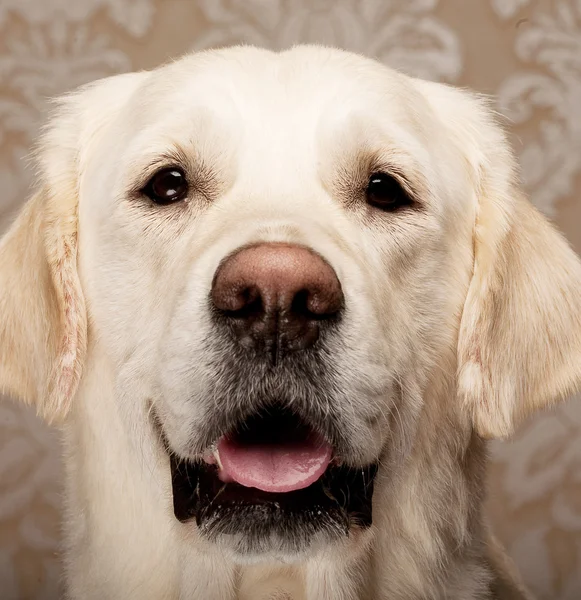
(527,53)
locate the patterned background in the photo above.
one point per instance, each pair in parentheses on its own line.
(525,52)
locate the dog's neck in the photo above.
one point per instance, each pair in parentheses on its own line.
(122,540)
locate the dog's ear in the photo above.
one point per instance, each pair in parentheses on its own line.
(520,334)
(43,322)
(519,346)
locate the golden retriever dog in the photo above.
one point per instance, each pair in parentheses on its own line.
(278,302)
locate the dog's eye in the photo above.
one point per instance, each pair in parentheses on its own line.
(384,191)
(167,186)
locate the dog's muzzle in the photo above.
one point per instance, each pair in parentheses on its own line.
(272,470)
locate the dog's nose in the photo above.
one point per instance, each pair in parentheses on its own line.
(276,297)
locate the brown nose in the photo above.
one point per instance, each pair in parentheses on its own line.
(276,297)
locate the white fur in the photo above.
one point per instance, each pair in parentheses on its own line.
(462,317)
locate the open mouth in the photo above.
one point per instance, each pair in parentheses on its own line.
(273,477)
(275,454)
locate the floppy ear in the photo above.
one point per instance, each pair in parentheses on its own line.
(43,322)
(519,346)
(42,313)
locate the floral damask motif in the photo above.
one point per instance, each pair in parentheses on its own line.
(51,59)
(532,554)
(29,502)
(405,35)
(541,466)
(506,9)
(551,93)
(134,16)
(543,455)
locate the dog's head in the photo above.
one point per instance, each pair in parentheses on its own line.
(277,257)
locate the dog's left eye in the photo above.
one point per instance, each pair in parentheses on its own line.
(386,192)
(167,186)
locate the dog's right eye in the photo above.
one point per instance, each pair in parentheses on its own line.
(167,186)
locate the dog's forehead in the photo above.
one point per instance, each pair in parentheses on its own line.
(258,98)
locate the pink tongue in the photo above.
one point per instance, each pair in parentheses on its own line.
(274,468)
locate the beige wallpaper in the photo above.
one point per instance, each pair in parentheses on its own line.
(525,52)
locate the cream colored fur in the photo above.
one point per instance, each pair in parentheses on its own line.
(471,305)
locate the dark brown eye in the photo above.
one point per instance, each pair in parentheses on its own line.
(167,186)
(384,191)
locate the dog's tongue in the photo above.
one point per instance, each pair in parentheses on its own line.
(283,467)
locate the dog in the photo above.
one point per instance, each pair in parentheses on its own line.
(278,303)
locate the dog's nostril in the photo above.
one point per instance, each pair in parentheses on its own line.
(300,303)
(241,303)
(313,305)
(276,296)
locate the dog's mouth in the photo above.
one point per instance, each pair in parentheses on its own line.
(275,453)
(273,479)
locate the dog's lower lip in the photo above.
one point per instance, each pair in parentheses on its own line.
(343,494)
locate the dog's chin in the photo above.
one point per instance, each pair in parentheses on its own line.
(253,523)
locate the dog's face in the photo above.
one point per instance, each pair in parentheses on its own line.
(279,255)
(267,250)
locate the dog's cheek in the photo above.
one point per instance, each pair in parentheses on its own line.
(182,374)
